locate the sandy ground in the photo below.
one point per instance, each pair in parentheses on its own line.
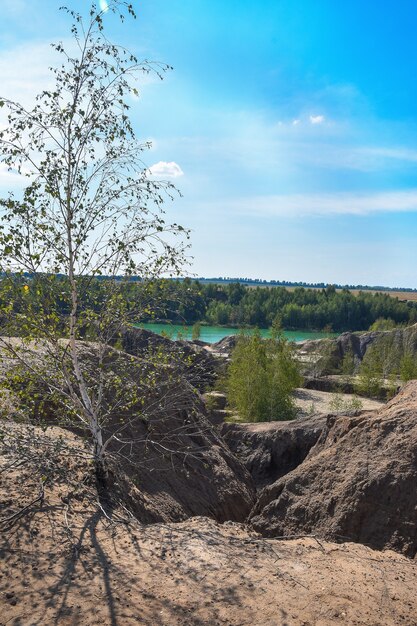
(310,402)
(64,562)
(198,573)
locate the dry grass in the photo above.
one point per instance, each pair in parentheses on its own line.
(401,295)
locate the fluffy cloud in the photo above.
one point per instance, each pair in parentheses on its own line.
(166,170)
(317,119)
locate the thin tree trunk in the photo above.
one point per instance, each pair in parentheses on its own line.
(91,414)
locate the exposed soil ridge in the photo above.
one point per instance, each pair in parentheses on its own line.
(358,482)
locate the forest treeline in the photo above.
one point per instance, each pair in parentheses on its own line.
(260,282)
(234,304)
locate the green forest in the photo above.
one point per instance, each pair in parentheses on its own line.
(234,304)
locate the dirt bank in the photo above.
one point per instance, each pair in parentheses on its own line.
(69,558)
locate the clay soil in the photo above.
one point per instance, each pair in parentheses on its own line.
(70,560)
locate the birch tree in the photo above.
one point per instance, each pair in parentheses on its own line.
(90,209)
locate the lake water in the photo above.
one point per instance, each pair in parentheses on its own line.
(211,334)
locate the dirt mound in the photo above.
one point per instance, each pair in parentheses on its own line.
(270,450)
(69,559)
(166,461)
(225,346)
(403,340)
(71,556)
(170,462)
(320,357)
(200,366)
(174,467)
(183,469)
(358,483)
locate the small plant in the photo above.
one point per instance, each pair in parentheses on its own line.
(347,367)
(356,404)
(182,334)
(346,405)
(210,402)
(392,385)
(196,331)
(326,361)
(408,367)
(369,381)
(337,403)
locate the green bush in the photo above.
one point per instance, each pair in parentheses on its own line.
(408,367)
(261,378)
(196,331)
(347,405)
(383,323)
(371,374)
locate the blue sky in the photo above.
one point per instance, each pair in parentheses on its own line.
(290,127)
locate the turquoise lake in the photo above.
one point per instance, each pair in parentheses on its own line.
(211,334)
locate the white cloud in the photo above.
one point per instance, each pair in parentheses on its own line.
(24,71)
(166,170)
(295,122)
(317,119)
(9,180)
(301,205)
(104,6)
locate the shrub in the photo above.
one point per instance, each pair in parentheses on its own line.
(408,367)
(261,378)
(383,323)
(346,405)
(196,331)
